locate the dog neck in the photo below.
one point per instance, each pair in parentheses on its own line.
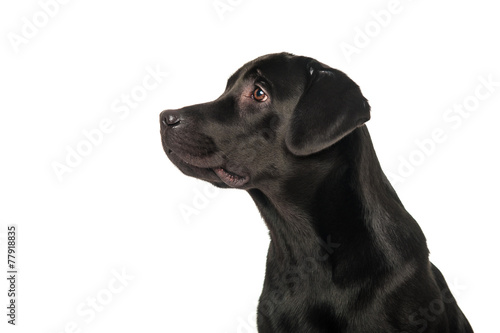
(345,219)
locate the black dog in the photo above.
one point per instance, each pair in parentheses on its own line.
(345,255)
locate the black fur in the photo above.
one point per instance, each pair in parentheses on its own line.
(345,255)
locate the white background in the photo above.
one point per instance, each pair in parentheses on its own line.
(118,210)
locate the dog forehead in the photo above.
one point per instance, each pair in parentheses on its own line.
(279,65)
(278,69)
(277,62)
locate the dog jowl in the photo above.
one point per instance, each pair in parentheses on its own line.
(344,254)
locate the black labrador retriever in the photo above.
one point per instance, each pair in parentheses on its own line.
(345,255)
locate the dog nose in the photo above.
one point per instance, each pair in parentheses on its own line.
(170,117)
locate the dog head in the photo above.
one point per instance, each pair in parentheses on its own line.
(276,112)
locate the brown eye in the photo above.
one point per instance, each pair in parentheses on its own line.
(259,95)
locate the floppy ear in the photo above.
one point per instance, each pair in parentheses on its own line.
(331,107)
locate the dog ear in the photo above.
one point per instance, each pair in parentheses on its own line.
(331,107)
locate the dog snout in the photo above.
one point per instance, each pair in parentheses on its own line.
(170,118)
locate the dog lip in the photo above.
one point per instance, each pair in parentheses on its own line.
(202,162)
(227,177)
(230,178)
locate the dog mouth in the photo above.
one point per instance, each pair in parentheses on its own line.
(196,169)
(230,178)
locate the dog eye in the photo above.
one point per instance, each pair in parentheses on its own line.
(259,95)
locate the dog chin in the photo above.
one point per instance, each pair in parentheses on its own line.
(218,176)
(206,174)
